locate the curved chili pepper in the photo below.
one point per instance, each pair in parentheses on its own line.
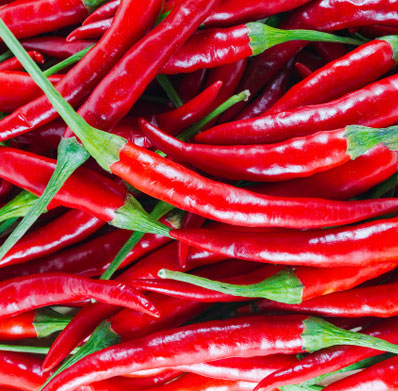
(141,64)
(85,75)
(55,46)
(26,293)
(339,183)
(343,75)
(381,376)
(326,248)
(215,47)
(271,93)
(352,108)
(94,30)
(18,88)
(64,231)
(298,157)
(209,341)
(106,11)
(13,64)
(191,84)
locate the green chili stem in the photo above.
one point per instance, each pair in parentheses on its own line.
(169,89)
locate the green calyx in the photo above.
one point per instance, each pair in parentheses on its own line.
(319,334)
(393,41)
(360,139)
(283,287)
(18,206)
(263,37)
(101,338)
(47,322)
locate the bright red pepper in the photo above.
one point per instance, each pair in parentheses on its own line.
(86,74)
(94,30)
(13,64)
(357,107)
(331,359)
(209,341)
(106,11)
(18,88)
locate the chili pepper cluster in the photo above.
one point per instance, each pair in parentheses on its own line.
(198,195)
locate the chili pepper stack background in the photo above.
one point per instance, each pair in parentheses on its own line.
(198,195)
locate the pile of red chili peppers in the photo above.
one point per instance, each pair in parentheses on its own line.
(198,195)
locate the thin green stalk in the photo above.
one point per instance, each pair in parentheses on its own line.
(67,62)
(6,225)
(169,89)
(6,55)
(18,206)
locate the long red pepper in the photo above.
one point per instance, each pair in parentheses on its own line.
(93,67)
(33,324)
(331,359)
(357,107)
(18,88)
(27,293)
(13,64)
(68,229)
(106,10)
(209,341)
(298,157)
(141,64)
(27,19)
(56,46)
(343,75)
(90,31)
(378,377)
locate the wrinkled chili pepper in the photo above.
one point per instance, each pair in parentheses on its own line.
(298,157)
(18,88)
(352,108)
(92,68)
(343,75)
(56,46)
(331,359)
(209,341)
(13,64)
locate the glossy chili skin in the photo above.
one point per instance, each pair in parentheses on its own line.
(294,158)
(13,64)
(18,327)
(357,107)
(85,75)
(27,293)
(27,19)
(106,11)
(56,46)
(339,183)
(332,359)
(85,189)
(356,69)
(232,205)
(197,343)
(70,228)
(18,88)
(140,65)
(381,376)
(210,48)
(270,94)
(339,14)
(94,30)
(362,244)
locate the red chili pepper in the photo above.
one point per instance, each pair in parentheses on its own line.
(33,324)
(378,30)
(381,376)
(355,107)
(271,93)
(343,75)
(325,248)
(303,70)
(340,183)
(209,341)
(332,51)
(26,293)
(18,88)
(191,84)
(27,19)
(141,64)
(55,46)
(331,359)
(68,229)
(86,74)
(5,189)
(298,157)
(13,64)
(106,11)
(94,30)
